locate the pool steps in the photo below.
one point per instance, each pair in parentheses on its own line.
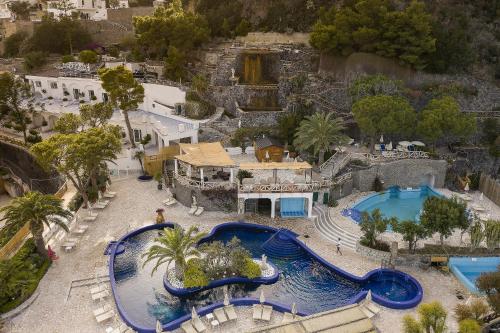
(332,231)
(280,245)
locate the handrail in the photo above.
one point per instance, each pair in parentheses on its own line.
(280,187)
(186,181)
(328,161)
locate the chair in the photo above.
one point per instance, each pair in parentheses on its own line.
(372,307)
(267,310)
(231,314)
(100,295)
(105,316)
(187,327)
(199,211)
(98,289)
(367,312)
(287,318)
(257,311)
(68,246)
(192,210)
(198,325)
(102,309)
(220,315)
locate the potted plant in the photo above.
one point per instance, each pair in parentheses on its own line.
(159,179)
(139,155)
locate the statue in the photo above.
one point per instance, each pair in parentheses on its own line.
(193,202)
(263,265)
(232,73)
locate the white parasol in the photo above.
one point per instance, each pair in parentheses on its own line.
(226,297)
(159,329)
(382,138)
(294,309)
(481,196)
(404,143)
(262,298)
(267,154)
(369,296)
(389,146)
(418,143)
(466,188)
(193,313)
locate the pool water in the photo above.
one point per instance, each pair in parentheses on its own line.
(468,269)
(304,280)
(394,202)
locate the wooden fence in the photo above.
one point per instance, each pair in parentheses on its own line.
(490,187)
(154,163)
(9,249)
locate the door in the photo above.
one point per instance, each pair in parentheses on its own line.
(326,196)
(315,196)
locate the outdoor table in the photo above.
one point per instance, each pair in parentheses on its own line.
(214,323)
(210,317)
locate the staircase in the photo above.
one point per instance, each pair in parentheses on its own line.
(334,164)
(332,231)
(280,246)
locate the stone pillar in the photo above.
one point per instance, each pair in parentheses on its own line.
(231,176)
(273,208)
(309,207)
(176,167)
(194,139)
(201,177)
(190,170)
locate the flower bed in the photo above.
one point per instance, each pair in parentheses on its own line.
(174,286)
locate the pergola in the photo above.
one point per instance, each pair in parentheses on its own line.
(204,155)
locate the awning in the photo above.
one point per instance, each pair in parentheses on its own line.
(206,154)
(276,166)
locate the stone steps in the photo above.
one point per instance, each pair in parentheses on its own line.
(332,231)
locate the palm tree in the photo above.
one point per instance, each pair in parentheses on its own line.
(176,245)
(38,210)
(320,132)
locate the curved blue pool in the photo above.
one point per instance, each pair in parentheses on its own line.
(305,278)
(395,202)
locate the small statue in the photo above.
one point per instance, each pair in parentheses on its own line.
(159,217)
(194,203)
(232,73)
(263,265)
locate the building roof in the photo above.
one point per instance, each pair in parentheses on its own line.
(267,142)
(276,166)
(210,154)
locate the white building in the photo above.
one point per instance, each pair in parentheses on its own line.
(158,115)
(88,9)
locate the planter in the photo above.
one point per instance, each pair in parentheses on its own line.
(145,178)
(160,186)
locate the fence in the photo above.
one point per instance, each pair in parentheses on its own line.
(15,242)
(154,163)
(490,187)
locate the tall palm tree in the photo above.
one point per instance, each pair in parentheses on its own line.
(319,131)
(176,245)
(38,210)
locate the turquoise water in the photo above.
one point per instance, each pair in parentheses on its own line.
(394,202)
(468,269)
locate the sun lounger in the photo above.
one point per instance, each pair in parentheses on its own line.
(367,312)
(120,329)
(98,289)
(100,295)
(105,316)
(220,315)
(170,202)
(267,310)
(198,325)
(68,246)
(231,314)
(98,206)
(257,311)
(109,195)
(192,210)
(372,307)
(187,327)
(102,309)
(287,318)
(199,211)
(80,230)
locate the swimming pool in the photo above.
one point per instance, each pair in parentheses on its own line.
(395,202)
(468,269)
(305,278)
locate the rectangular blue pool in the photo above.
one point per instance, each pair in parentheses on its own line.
(468,269)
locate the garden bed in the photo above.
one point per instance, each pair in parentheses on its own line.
(26,266)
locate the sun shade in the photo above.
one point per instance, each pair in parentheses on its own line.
(205,154)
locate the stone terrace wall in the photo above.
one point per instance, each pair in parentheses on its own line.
(184,195)
(372,253)
(124,16)
(404,173)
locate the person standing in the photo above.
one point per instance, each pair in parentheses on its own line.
(338,247)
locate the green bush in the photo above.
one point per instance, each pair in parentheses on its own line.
(251,269)
(469,326)
(476,310)
(34,60)
(88,57)
(67,58)
(194,275)
(12,44)
(332,202)
(378,186)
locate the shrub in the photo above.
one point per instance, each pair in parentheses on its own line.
(113,51)
(34,60)
(12,44)
(410,325)
(243,174)
(88,57)
(431,318)
(251,269)
(378,186)
(67,58)
(75,203)
(489,283)
(469,326)
(476,310)
(146,139)
(194,275)
(372,225)
(332,202)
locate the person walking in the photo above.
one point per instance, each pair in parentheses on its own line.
(338,246)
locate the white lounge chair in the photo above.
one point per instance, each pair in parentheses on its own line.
(372,307)
(97,205)
(199,211)
(192,210)
(80,230)
(170,202)
(105,316)
(267,310)
(287,318)
(68,246)
(367,312)
(109,195)
(257,312)
(220,315)
(102,309)
(100,295)
(187,327)
(231,314)
(198,325)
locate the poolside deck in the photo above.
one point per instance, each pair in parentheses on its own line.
(348,319)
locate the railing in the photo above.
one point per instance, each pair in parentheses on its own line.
(284,188)
(328,162)
(186,181)
(391,155)
(9,249)
(342,178)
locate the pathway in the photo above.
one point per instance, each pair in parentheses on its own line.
(331,230)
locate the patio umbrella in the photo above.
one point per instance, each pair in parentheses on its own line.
(466,188)
(382,138)
(481,197)
(193,313)
(418,143)
(262,298)
(369,296)
(294,309)
(159,329)
(405,143)
(226,297)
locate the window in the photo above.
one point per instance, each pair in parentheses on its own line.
(53,85)
(137,135)
(105,97)
(76,93)
(92,95)
(38,83)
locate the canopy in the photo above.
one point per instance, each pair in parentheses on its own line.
(418,143)
(405,143)
(209,154)
(276,166)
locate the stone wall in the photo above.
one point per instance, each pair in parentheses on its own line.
(404,173)
(342,190)
(124,16)
(211,200)
(372,253)
(24,166)
(301,38)
(258,118)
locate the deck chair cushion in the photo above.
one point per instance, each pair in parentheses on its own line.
(257,311)
(220,315)
(266,312)
(187,327)
(231,314)
(198,325)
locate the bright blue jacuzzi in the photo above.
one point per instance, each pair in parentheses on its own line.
(394,202)
(468,269)
(305,278)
